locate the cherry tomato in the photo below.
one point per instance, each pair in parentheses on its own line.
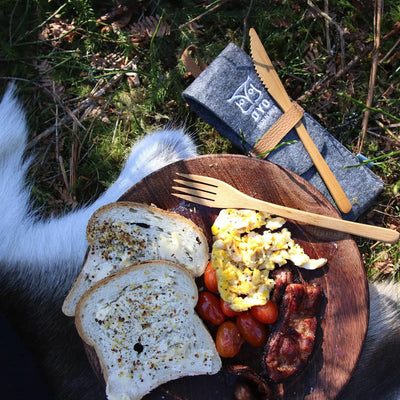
(210,278)
(209,308)
(267,314)
(252,330)
(227,310)
(228,340)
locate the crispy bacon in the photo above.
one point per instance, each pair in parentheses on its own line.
(243,391)
(292,340)
(282,277)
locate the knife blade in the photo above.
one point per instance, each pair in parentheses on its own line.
(273,84)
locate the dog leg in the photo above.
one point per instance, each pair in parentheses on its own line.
(40,259)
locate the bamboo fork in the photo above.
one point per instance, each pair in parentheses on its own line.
(212,192)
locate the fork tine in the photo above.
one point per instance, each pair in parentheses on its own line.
(195,192)
(195,199)
(197,189)
(196,185)
(201,179)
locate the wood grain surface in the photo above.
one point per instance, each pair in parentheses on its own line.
(343,322)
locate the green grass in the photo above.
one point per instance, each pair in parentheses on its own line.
(78,160)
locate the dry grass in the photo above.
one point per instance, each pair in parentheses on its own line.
(95,77)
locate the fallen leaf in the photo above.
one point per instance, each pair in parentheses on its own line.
(120,16)
(146,28)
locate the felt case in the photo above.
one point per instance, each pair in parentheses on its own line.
(229,95)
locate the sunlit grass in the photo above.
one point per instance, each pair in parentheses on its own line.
(77,158)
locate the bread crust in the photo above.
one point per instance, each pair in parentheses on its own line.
(115,286)
(102,227)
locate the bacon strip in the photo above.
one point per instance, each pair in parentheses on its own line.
(282,277)
(292,340)
(264,390)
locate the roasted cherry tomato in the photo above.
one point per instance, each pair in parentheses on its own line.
(210,278)
(252,330)
(227,310)
(209,308)
(228,340)
(267,314)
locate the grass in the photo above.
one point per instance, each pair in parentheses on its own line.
(63,53)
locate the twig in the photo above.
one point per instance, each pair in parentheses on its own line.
(328,79)
(10,26)
(389,52)
(73,161)
(375,58)
(388,131)
(246,18)
(203,14)
(56,125)
(85,105)
(63,172)
(337,26)
(328,38)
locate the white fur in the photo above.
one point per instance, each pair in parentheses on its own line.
(63,238)
(39,260)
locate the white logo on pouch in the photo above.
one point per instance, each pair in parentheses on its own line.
(250,100)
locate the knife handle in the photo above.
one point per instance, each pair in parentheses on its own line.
(327,175)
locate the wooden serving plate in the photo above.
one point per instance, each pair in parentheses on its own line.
(343,323)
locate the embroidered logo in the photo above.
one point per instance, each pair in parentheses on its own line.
(250,100)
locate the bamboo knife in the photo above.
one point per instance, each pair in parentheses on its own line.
(273,84)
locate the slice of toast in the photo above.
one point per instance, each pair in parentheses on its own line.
(123,233)
(142,325)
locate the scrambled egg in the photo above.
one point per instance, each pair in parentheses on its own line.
(243,258)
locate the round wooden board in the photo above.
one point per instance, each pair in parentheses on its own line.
(343,323)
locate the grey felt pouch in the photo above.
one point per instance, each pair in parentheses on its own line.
(229,95)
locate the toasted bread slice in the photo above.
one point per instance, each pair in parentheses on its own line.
(142,325)
(124,233)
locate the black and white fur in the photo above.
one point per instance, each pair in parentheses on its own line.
(40,259)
